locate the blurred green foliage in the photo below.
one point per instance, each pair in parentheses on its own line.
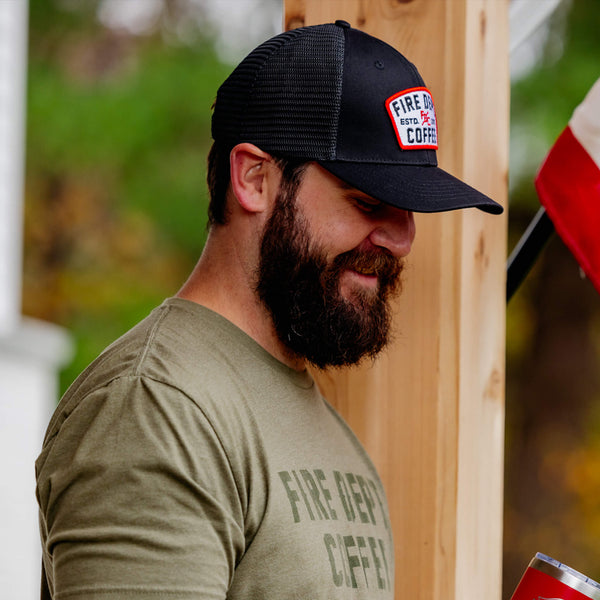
(543,101)
(118,130)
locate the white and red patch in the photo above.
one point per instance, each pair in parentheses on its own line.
(413,116)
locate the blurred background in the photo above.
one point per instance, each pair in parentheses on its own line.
(118,107)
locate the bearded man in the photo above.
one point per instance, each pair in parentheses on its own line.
(196,457)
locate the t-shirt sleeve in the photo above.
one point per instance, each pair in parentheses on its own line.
(138,498)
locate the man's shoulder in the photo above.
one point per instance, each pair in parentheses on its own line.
(171,362)
(177,344)
(181,349)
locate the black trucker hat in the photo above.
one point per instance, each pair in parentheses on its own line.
(350,102)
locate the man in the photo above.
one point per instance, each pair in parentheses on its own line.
(195,458)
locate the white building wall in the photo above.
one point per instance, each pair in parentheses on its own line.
(13,60)
(29,360)
(31,352)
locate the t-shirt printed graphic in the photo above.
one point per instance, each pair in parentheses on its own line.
(360,559)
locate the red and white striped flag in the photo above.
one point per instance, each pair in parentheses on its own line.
(568,185)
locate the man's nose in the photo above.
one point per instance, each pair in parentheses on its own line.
(395,231)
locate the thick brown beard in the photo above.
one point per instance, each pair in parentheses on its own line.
(301,290)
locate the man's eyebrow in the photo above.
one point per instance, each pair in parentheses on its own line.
(345,185)
(353,191)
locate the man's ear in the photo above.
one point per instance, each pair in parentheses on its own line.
(253,177)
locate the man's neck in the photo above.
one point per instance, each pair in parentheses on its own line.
(224,282)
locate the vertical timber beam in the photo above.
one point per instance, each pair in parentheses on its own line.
(431,410)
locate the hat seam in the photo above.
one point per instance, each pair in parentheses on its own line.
(340,95)
(249,96)
(409,63)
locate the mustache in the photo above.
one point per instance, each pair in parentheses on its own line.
(386,267)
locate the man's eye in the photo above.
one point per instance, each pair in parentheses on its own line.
(367,205)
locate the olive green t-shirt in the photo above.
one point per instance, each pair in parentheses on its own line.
(187,462)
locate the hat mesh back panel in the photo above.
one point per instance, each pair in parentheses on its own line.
(285,96)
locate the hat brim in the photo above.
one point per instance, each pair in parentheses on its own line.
(416,188)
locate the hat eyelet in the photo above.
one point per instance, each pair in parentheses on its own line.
(379,64)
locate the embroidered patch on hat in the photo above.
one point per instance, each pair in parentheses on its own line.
(413,116)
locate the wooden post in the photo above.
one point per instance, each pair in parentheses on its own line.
(431,409)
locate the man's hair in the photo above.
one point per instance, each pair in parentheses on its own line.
(219,175)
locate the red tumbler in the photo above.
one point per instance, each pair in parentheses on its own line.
(549,579)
